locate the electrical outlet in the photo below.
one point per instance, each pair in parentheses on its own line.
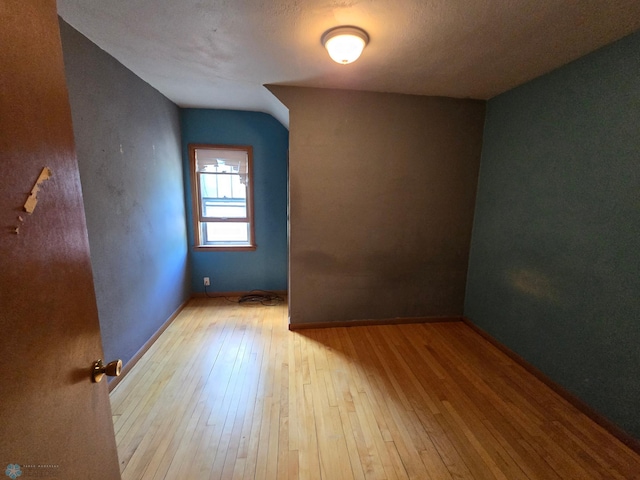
(207,282)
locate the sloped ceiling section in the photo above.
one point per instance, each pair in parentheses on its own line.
(219,53)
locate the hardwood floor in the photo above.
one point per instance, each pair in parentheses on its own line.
(228,392)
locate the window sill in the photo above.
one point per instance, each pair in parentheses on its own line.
(225,248)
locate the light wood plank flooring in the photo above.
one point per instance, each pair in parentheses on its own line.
(228,392)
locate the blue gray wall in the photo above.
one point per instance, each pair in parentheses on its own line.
(554,270)
(266,267)
(128,145)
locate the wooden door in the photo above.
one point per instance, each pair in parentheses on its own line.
(54,422)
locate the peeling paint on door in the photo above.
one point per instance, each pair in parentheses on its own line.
(32,201)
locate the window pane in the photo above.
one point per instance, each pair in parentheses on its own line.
(228,233)
(223,195)
(223,209)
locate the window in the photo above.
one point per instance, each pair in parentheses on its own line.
(222,188)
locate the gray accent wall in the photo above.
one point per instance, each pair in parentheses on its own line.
(381,198)
(554,271)
(128,145)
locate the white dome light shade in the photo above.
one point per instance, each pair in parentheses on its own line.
(345,44)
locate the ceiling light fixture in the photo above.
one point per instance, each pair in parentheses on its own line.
(345,44)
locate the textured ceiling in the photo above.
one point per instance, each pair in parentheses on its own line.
(220,53)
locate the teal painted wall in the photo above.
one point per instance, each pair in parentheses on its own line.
(554,269)
(266,267)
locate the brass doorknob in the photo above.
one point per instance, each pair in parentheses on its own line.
(99,369)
